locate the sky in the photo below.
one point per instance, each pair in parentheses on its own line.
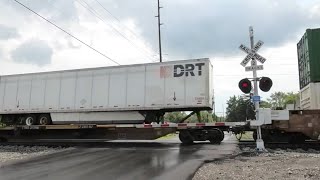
(125,31)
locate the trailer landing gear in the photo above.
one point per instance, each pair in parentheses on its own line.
(214,135)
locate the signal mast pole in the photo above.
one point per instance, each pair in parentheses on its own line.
(159,30)
(260,143)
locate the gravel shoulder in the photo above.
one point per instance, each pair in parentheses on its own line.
(14,154)
(276,164)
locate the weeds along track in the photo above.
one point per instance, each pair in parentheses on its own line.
(282,145)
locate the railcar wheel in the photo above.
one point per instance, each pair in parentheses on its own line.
(30,120)
(185,137)
(297,138)
(221,137)
(3,140)
(215,136)
(44,119)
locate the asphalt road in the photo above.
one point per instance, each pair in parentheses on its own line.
(138,160)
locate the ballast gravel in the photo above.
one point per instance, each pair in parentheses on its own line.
(275,164)
(13,153)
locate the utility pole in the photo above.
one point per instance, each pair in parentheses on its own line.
(214,105)
(223,112)
(260,143)
(159,29)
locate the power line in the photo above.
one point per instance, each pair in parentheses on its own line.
(66,32)
(117,19)
(269,60)
(107,10)
(275,64)
(96,14)
(272,64)
(235,59)
(225,75)
(283,64)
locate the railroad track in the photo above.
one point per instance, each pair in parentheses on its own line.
(102,143)
(58,143)
(283,145)
(85,143)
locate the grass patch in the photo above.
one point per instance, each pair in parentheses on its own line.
(168,136)
(247,136)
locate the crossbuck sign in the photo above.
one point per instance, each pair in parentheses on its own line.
(252,54)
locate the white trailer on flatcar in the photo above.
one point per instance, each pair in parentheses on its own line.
(107,95)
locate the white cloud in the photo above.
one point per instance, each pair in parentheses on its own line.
(192,28)
(315,11)
(33,51)
(7,32)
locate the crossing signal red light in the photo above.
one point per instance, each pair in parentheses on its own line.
(245,85)
(265,84)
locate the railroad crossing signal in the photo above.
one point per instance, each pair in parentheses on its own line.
(265,84)
(252,54)
(245,85)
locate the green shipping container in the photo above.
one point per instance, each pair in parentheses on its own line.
(309,57)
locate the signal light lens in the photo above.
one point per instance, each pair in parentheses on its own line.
(245,85)
(265,84)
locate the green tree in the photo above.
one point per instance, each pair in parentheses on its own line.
(239,109)
(280,99)
(221,119)
(174,117)
(265,104)
(205,117)
(215,118)
(291,98)
(277,99)
(232,109)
